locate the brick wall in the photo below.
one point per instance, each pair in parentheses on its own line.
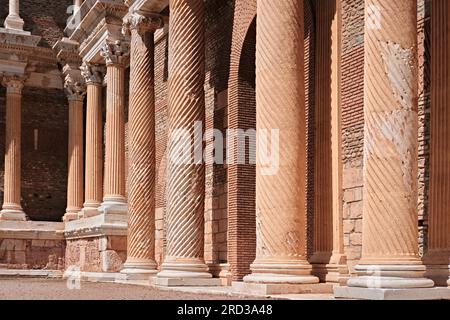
(352,125)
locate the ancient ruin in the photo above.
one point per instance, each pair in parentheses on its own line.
(269,147)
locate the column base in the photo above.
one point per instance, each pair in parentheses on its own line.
(391,294)
(265,289)
(176,274)
(390,277)
(70,216)
(139,271)
(331,269)
(113,207)
(13,215)
(286,272)
(15,23)
(88,212)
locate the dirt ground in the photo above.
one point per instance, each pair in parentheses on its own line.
(51,289)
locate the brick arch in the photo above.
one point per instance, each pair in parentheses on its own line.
(242,115)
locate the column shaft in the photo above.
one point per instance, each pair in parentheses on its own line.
(142,163)
(75,161)
(390,227)
(115,135)
(12,209)
(280,105)
(94,147)
(186,181)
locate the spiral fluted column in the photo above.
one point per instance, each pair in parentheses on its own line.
(390,228)
(280,105)
(75,196)
(12,209)
(186,181)
(93,193)
(142,161)
(116,55)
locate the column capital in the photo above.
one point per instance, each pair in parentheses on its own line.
(75,87)
(92,73)
(14,83)
(142,22)
(116,53)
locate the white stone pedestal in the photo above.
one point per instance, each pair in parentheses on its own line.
(438,293)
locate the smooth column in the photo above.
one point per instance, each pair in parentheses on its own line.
(93,75)
(280,110)
(12,209)
(390,229)
(142,162)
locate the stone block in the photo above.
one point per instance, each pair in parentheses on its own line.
(392,294)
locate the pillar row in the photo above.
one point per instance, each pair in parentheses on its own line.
(390,229)
(280,108)
(142,161)
(12,209)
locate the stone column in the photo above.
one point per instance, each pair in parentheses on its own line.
(13,20)
(93,76)
(116,57)
(142,164)
(12,209)
(390,227)
(186,177)
(280,108)
(437,255)
(75,91)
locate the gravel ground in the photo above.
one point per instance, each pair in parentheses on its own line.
(51,289)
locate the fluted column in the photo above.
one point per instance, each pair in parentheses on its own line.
(116,56)
(438,251)
(13,20)
(93,193)
(186,181)
(390,228)
(12,209)
(75,91)
(142,161)
(280,105)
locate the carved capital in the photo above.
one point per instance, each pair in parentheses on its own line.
(92,73)
(14,83)
(142,23)
(116,53)
(74,85)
